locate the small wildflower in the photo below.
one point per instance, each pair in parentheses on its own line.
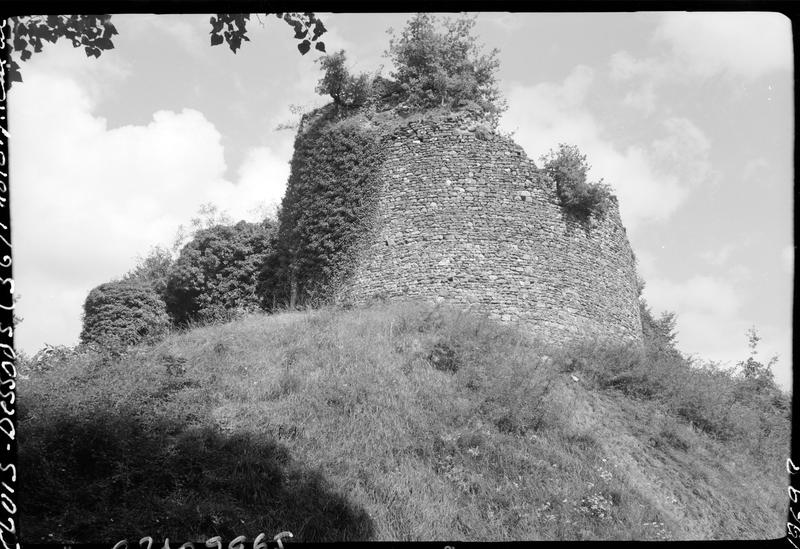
(597,505)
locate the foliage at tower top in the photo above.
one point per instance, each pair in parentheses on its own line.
(440,63)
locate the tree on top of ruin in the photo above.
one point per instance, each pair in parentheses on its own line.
(439,63)
(346,89)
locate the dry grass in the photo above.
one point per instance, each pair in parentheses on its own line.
(402,422)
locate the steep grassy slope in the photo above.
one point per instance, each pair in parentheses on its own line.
(400,422)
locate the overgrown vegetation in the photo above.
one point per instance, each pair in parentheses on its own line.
(346,90)
(728,405)
(568,168)
(153,269)
(329,198)
(440,63)
(401,422)
(216,272)
(210,274)
(659,333)
(123,313)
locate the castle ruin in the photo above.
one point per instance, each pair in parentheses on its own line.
(461,215)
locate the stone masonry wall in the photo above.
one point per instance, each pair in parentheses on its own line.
(464,216)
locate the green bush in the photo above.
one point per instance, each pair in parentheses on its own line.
(568,168)
(153,269)
(722,403)
(123,313)
(47,358)
(445,67)
(215,274)
(659,333)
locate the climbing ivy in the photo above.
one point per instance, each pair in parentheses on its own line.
(329,200)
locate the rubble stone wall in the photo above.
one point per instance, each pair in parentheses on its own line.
(465,217)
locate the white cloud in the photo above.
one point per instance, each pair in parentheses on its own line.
(719,256)
(507,22)
(191,32)
(261,184)
(787,259)
(651,181)
(745,44)
(646,264)
(624,66)
(755,169)
(707,311)
(643,99)
(701,293)
(683,151)
(87,200)
(62,59)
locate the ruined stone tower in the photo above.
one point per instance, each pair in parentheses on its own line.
(461,215)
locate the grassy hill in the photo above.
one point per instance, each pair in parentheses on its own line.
(396,422)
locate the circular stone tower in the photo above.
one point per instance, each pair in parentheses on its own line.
(462,215)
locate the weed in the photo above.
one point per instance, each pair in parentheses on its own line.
(444,358)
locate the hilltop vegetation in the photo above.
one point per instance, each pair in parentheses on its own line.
(401,422)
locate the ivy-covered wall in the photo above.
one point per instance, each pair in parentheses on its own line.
(330,195)
(447,210)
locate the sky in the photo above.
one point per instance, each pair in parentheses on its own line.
(688,116)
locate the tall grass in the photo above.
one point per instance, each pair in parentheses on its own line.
(752,416)
(398,422)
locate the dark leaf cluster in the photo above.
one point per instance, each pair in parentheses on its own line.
(92,32)
(231,28)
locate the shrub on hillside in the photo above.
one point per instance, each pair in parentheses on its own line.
(153,269)
(754,371)
(123,313)
(46,358)
(568,168)
(445,67)
(659,333)
(725,405)
(215,274)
